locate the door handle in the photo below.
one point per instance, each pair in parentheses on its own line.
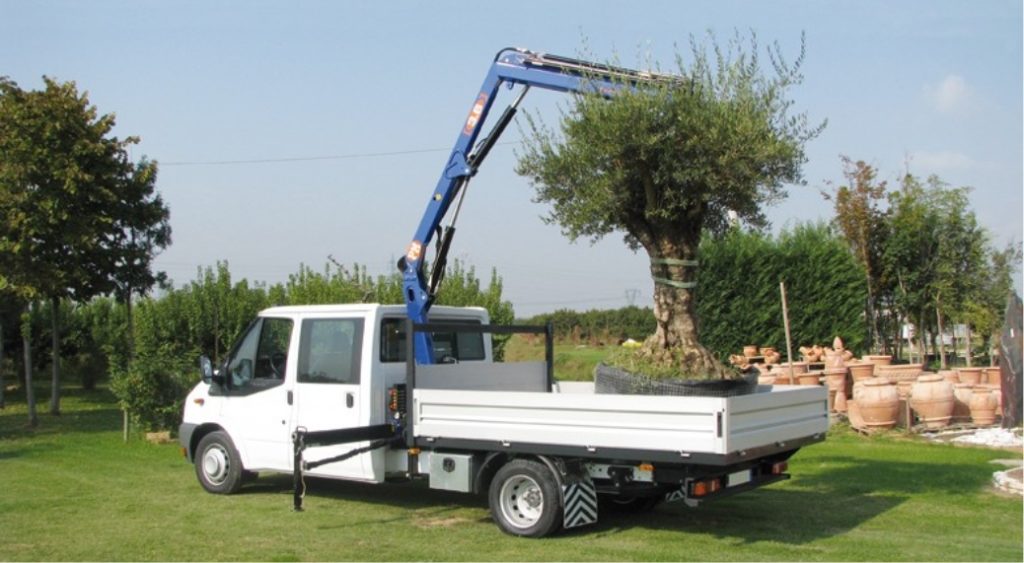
(290,397)
(350,400)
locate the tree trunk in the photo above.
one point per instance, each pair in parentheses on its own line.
(131,326)
(2,405)
(942,336)
(968,352)
(675,339)
(55,355)
(26,339)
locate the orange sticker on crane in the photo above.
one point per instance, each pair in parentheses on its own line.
(475,113)
(415,251)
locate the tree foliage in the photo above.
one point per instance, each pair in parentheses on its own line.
(861,219)
(80,219)
(927,260)
(669,159)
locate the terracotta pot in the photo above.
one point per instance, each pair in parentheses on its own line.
(853,413)
(860,371)
(950,376)
(971,376)
(961,402)
(809,378)
(932,398)
(750,351)
(810,358)
(835,378)
(877,360)
(902,372)
(996,392)
(993,376)
(840,403)
(878,401)
(766,380)
(983,407)
(798,367)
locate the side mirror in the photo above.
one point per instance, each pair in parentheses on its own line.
(206,369)
(208,373)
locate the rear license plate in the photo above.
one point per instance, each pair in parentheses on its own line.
(739,478)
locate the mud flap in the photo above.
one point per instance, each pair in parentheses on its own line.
(579,501)
(680,495)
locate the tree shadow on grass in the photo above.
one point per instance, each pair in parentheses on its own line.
(849,492)
(14,425)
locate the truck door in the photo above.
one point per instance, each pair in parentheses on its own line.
(328,395)
(256,410)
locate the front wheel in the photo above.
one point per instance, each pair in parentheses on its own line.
(218,466)
(525,500)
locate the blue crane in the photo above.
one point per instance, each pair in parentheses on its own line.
(511,67)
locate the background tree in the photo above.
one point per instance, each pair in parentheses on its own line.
(79,218)
(961,258)
(862,222)
(663,162)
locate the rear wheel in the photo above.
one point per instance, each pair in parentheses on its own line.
(525,500)
(218,466)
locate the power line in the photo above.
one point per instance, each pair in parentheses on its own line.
(312,158)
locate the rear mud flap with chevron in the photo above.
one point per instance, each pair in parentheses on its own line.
(579,500)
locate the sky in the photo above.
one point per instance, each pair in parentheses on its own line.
(290,132)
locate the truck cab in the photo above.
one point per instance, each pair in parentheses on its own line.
(315,368)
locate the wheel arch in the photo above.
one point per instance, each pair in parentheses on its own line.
(199,433)
(495,460)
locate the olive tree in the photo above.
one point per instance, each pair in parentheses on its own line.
(668,160)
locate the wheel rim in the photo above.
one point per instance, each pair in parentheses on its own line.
(522,501)
(215,464)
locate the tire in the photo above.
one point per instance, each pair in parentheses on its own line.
(628,505)
(217,464)
(525,499)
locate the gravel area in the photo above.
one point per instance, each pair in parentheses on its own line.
(991,437)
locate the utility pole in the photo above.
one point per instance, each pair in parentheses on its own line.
(631,296)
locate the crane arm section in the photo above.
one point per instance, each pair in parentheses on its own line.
(511,67)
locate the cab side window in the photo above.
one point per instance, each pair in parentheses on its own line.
(329,351)
(261,357)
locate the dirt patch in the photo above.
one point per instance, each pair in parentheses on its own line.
(448,522)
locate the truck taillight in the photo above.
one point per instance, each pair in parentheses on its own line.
(780,467)
(705,487)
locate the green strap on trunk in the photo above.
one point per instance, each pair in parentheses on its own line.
(674,283)
(674,262)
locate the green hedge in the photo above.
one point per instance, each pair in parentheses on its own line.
(738,298)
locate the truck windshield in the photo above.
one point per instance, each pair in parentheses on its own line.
(462,346)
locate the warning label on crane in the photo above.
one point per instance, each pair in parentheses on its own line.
(475,113)
(415,250)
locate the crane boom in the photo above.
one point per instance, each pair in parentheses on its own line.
(511,67)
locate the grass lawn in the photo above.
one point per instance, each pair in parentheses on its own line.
(72,490)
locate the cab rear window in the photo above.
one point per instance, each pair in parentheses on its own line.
(462,346)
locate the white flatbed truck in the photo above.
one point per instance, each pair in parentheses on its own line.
(334,391)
